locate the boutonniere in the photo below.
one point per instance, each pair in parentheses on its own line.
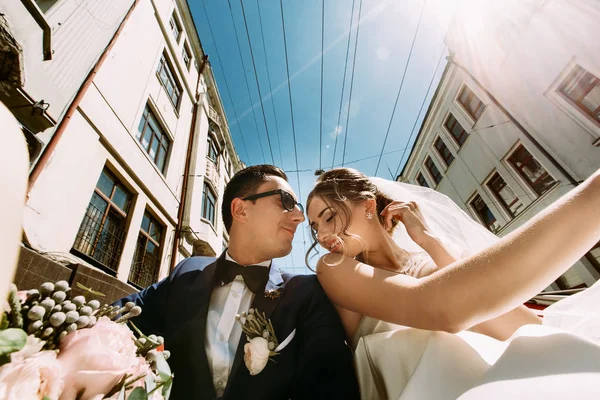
(262,342)
(272,294)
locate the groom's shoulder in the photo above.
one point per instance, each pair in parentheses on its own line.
(190,264)
(301,283)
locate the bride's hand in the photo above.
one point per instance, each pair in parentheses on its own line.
(412,218)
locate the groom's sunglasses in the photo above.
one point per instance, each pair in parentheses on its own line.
(287,200)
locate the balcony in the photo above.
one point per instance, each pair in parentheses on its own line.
(214,115)
(212,173)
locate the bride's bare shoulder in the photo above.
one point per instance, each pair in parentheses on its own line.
(334,265)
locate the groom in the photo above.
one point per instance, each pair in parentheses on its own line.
(194,308)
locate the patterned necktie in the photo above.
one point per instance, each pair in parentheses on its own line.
(255,276)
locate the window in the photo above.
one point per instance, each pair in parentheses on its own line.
(102,232)
(146,260)
(456,130)
(46,5)
(175,27)
(582,88)
(470,102)
(212,149)
(187,56)
(435,173)
(209,202)
(484,213)
(167,78)
(505,195)
(593,256)
(153,139)
(227,165)
(444,151)
(421,180)
(531,170)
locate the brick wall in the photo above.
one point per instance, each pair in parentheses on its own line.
(34,269)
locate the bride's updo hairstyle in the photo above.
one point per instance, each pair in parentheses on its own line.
(339,185)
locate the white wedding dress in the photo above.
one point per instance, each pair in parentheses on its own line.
(559,359)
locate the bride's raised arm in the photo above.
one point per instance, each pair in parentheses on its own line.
(479,287)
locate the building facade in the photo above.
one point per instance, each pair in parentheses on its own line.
(135,151)
(511,128)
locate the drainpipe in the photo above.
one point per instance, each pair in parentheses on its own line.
(60,129)
(38,16)
(186,169)
(512,119)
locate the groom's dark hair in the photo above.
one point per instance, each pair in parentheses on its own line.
(245,183)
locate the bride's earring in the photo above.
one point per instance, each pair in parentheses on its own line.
(369,215)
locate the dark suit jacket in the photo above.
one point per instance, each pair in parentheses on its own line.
(317,364)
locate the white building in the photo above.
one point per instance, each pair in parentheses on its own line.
(134,129)
(515,121)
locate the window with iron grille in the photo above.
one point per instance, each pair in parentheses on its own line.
(167,78)
(484,213)
(175,26)
(582,89)
(456,130)
(531,170)
(433,170)
(187,56)
(146,260)
(444,151)
(421,180)
(212,149)
(102,232)
(470,102)
(153,139)
(505,195)
(209,203)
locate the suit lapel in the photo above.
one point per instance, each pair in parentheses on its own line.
(263,304)
(204,290)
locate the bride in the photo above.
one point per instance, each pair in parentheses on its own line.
(405,256)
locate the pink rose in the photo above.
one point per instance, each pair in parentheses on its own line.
(32,346)
(95,359)
(32,378)
(157,395)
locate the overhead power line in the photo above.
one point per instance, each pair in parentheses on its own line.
(262,36)
(351,82)
(420,110)
(401,84)
(337,134)
(262,106)
(287,68)
(225,79)
(237,40)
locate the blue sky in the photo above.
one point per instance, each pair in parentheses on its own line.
(386,32)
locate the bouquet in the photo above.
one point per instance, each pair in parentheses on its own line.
(54,347)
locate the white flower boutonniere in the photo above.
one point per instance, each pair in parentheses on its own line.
(262,342)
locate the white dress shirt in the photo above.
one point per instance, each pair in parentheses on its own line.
(223,332)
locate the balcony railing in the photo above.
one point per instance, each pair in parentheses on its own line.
(212,173)
(145,268)
(101,237)
(214,115)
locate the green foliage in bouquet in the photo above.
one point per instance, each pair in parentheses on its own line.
(48,315)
